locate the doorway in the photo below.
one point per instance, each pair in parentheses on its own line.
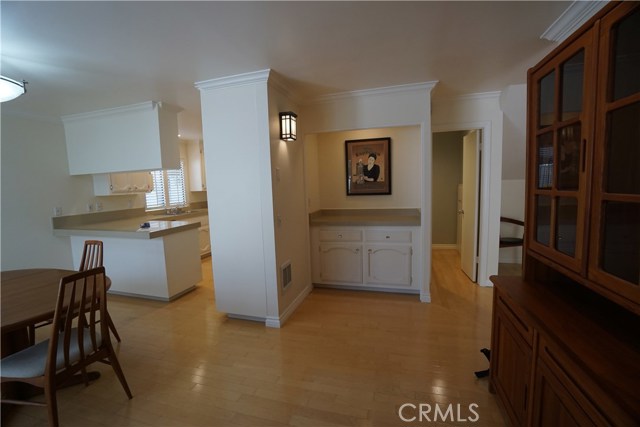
(456,195)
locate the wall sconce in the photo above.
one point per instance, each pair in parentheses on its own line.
(11,89)
(288,126)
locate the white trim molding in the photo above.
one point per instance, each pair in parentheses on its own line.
(278,322)
(571,19)
(428,86)
(237,80)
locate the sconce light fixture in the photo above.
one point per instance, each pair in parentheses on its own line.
(11,89)
(288,126)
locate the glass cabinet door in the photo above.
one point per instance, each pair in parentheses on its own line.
(615,229)
(560,136)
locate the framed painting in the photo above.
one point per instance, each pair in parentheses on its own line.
(368,166)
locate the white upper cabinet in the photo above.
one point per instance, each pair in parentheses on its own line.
(132,138)
(122,183)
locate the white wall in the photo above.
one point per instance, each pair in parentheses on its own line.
(513,102)
(328,166)
(447,173)
(35,179)
(290,210)
(480,111)
(513,202)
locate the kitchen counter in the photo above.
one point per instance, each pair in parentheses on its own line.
(365,217)
(126,224)
(161,262)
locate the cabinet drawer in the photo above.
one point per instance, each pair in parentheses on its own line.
(516,319)
(340,235)
(394,236)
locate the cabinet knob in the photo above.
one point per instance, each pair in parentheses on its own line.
(339,236)
(387,237)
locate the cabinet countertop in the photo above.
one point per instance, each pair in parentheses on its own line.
(365,217)
(128,227)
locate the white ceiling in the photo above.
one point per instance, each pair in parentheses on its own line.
(86,56)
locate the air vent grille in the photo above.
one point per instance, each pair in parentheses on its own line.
(285,271)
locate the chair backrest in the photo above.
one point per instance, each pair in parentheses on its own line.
(77,332)
(512,241)
(91,255)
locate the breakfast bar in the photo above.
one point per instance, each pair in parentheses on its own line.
(147,256)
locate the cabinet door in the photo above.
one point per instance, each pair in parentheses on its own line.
(140,181)
(560,139)
(510,367)
(388,264)
(615,229)
(119,182)
(341,263)
(554,405)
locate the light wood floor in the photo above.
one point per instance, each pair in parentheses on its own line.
(343,359)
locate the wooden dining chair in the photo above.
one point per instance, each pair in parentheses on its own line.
(91,258)
(77,340)
(91,255)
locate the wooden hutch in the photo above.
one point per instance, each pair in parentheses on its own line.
(566,336)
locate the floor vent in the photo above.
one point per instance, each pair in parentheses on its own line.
(285,271)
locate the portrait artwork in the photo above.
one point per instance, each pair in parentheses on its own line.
(368,166)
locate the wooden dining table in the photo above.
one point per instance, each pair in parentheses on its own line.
(28,297)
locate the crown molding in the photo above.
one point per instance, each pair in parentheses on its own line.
(571,19)
(427,86)
(469,97)
(147,105)
(236,80)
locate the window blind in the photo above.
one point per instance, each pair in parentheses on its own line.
(169,189)
(176,194)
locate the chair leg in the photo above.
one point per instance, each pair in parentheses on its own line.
(112,327)
(52,403)
(113,360)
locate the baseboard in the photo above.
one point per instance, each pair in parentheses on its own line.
(367,288)
(444,246)
(278,322)
(425,297)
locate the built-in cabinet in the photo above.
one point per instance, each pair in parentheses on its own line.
(365,257)
(111,184)
(132,138)
(565,348)
(197,175)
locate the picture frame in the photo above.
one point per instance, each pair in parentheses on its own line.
(368,164)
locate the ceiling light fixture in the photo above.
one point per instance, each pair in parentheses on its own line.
(11,89)
(288,126)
